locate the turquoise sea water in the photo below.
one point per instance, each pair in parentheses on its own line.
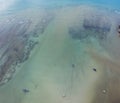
(58,55)
(23,4)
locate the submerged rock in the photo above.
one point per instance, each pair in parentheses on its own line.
(94,69)
(25,90)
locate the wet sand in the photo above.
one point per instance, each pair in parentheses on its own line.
(62,69)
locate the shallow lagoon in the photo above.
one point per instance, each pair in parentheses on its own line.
(61,68)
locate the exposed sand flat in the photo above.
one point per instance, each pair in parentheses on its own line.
(66,66)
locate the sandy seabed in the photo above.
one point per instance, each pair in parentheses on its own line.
(63,69)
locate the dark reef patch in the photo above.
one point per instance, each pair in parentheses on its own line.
(77,33)
(17,40)
(96,23)
(41,25)
(97,26)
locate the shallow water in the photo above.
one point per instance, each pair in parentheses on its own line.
(52,55)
